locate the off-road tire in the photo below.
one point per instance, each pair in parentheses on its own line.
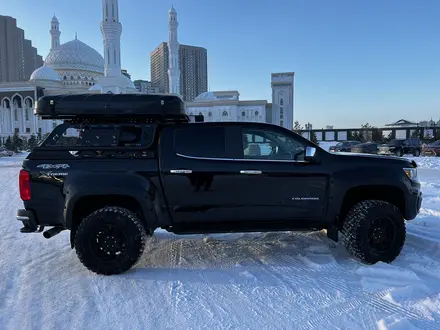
(358,223)
(127,223)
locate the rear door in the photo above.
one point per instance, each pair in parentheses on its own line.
(274,182)
(417,145)
(198,172)
(407,147)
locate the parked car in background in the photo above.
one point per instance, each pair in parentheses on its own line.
(400,147)
(344,146)
(5,152)
(366,148)
(431,149)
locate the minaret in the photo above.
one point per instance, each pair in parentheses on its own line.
(173,50)
(111,30)
(54,33)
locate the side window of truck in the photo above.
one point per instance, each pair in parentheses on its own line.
(267,144)
(202,142)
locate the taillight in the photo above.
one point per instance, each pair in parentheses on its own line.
(25,185)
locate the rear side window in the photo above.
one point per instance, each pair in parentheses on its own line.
(197,141)
(73,136)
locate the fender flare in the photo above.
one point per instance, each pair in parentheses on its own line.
(82,185)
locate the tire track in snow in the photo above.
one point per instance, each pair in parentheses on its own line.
(322,277)
(175,286)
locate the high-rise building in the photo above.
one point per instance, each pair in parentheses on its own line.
(146,87)
(193,63)
(190,77)
(18,59)
(31,59)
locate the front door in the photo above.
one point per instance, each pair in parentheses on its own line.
(197,173)
(274,182)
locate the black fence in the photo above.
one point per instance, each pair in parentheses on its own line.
(428,133)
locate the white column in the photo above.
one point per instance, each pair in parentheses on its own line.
(36,124)
(5,121)
(12,119)
(33,119)
(2,119)
(23,120)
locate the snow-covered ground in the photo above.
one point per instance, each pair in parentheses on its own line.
(240,281)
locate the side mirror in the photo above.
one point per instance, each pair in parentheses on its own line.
(310,153)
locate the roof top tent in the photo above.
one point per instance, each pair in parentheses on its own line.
(115,107)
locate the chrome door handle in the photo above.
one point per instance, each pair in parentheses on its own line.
(181,171)
(250,172)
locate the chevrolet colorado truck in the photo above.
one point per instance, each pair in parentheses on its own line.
(118,167)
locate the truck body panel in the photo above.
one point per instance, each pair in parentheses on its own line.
(180,189)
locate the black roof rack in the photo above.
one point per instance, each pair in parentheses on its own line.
(111,107)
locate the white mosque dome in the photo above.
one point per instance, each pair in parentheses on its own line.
(45,73)
(127,82)
(75,55)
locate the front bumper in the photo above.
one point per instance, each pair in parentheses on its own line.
(28,219)
(413,205)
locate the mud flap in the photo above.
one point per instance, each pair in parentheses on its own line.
(333,233)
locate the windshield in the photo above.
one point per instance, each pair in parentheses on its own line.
(436,143)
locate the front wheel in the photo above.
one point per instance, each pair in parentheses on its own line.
(416,153)
(110,240)
(374,231)
(399,153)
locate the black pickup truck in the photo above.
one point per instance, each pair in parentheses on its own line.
(121,166)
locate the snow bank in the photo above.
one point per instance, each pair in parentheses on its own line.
(422,162)
(14,160)
(427,162)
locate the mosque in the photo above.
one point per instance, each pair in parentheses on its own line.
(74,67)
(69,68)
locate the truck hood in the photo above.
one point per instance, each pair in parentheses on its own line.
(362,158)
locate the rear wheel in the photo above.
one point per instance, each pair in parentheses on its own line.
(110,240)
(374,231)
